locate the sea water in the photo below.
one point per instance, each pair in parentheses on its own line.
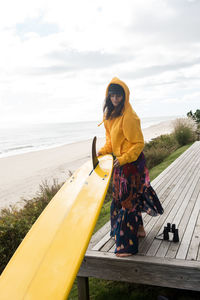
(32,137)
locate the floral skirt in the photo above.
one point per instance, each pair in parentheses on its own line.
(132,195)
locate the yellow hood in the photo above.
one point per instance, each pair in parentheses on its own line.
(116,80)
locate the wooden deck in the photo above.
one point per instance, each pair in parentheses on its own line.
(158,262)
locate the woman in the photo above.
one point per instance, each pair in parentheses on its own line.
(132,192)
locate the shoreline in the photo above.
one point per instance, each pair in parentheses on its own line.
(22,174)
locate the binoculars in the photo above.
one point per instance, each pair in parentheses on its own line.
(170,228)
(165,234)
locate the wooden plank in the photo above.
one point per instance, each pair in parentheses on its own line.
(185,199)
(166,178)
(99,235)
(102,242)
(176,163)
(194,245)
(112,250)
(155,224)
(185,155)
(142,269)
(182,251)
(108,245)
(184,163)
(173,248)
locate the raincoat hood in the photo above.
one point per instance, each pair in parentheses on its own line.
(116,80)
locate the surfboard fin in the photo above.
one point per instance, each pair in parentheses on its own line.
(95,160)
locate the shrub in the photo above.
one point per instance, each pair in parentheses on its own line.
(155,156)
(159,148)
(166,141)
(184,130)
(15,223)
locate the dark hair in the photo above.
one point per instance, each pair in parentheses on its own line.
(109,111)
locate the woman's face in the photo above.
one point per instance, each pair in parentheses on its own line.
(116,99)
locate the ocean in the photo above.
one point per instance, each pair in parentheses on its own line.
(33,137)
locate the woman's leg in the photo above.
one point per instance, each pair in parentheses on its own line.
(126,238)
(139,228)
(114,212)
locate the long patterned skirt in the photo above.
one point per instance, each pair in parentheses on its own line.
(132,195)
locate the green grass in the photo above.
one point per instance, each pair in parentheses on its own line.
(15,222)
(103,217)
(104,289)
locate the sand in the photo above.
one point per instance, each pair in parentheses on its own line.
(21,175)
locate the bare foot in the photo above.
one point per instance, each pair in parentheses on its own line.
(123,254)
(141,231)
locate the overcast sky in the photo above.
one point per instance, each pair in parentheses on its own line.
(57,57)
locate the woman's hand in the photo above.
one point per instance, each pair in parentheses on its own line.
(116,163)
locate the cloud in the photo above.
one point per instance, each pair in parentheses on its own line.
(64,53)
(177,22)
(158,69)
(69,60)
(35,25)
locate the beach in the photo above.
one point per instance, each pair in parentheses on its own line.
(21,175)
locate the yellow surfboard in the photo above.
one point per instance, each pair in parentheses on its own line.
(46,263)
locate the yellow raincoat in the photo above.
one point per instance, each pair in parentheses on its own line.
(124,137)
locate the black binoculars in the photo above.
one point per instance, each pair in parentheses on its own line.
(170,228)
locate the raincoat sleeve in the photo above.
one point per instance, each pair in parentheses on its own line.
(107,148)
(134,141)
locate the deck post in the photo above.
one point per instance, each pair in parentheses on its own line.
(83,288)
